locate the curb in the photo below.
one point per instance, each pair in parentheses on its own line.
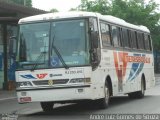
(10,98)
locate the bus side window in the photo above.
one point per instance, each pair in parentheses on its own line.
(140,40)
(105,34)
(115,36)
(93,24)
(146,42)
(150,43)
(133,39)
(130,39)
(125,37)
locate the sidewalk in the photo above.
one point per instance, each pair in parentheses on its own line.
(4,95)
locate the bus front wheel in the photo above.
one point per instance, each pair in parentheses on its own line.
(47,106)
(104,102)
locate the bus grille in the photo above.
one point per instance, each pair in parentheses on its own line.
(46,82)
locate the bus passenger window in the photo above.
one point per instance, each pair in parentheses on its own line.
(140,40)
(146,41)
(125,37)
(150,44)
(105,35)
(115,36)
(133,39)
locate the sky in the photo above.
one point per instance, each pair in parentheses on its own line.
(60,5)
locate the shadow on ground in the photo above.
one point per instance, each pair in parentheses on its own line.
(85,108)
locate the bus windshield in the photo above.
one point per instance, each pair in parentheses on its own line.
(39,42)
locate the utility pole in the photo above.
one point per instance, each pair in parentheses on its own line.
(24,2)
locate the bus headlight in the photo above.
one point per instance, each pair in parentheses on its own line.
(80,80)
(23,84)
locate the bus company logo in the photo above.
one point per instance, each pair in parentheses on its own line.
(41,76)
(38,76)
(120,64)
(121,59)
(138,59)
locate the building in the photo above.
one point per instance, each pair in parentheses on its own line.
(9,15)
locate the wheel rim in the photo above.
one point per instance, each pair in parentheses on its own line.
(142,87)
(106,94)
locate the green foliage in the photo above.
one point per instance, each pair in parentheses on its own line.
(73,9)
(134,11)
(22,2)
(53,10)
(101,6)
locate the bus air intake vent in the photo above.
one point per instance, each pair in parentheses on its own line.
(45,82)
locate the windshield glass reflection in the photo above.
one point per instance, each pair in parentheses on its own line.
(53,44)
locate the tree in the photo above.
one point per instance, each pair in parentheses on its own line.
(101,6)
(53,10)
(73,9)
(22,2)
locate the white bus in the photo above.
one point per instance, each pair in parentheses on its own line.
(78,56)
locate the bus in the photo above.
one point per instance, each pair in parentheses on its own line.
(81,56)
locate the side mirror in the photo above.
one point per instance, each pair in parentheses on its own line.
(12,46)
(94,38)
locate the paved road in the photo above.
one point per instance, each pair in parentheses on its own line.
(118,105)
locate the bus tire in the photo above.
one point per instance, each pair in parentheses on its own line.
(139,94)
(103,103)
(47,106)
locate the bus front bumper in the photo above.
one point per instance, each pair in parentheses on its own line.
(55,94)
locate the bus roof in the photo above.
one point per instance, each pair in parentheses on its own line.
(74,14)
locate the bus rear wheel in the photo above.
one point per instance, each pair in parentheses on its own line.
(47,106)
(139,94)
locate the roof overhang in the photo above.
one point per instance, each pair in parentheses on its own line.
(14,12)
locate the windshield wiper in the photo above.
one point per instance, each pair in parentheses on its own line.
(58,54)
(38,58)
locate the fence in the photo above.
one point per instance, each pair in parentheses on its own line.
(156,61)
